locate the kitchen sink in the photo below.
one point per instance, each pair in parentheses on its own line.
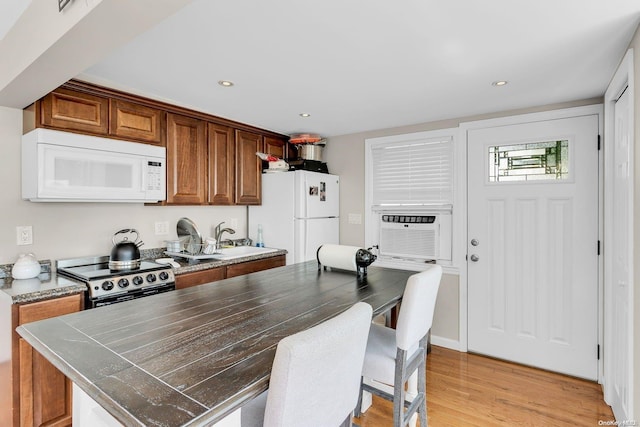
(239,251)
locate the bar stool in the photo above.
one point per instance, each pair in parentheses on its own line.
(315,377)
(392,356)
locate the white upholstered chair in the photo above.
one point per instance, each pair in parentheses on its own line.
(315,379)
(392,356)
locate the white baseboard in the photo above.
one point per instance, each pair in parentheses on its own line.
(446,343)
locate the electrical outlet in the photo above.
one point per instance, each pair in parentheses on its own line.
(162,228)
(355,218)
(24,235)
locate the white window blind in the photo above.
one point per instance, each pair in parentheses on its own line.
(413,173)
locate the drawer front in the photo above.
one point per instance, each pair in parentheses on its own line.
(253,266)
(199,277)
(50,308)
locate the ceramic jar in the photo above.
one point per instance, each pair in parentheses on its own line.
(26,267)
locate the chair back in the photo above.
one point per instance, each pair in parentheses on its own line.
(416,310)
(315,379)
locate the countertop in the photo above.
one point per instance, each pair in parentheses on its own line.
(189,267)
(193,356)
(49,285)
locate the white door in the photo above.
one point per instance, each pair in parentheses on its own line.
(533,241)
(620,335)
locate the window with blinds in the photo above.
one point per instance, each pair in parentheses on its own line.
(416,172)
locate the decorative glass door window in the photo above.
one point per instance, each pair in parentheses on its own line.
(529,162)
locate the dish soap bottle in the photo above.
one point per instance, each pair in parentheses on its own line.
(259,241)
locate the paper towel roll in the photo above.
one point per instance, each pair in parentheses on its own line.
(338,256)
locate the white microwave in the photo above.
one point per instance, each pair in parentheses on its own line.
(67,167)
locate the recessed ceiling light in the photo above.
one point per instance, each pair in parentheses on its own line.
(225,83)
(305,115)
(499,83)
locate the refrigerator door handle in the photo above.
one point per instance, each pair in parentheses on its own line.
(305,192)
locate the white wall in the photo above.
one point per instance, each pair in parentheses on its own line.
(62,230)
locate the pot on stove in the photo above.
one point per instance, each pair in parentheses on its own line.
(125,254)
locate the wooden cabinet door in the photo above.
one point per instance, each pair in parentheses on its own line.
(70,110)
(186,160)
(43,393)
(276,147)
(129,120)
(248,168)
(221,146)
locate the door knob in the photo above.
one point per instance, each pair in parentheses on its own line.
(475,258)
(474,242)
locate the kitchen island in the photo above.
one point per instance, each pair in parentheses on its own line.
(196,355)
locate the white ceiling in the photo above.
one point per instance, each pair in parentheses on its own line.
(358,65)
(11,11)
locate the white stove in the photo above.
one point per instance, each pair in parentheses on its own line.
(106,286)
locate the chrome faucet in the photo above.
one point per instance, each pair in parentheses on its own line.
(218,233)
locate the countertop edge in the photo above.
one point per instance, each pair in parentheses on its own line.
(76,288)
(83,382)
(48,294)
(187,267)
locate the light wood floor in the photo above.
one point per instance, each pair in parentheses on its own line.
(471,390)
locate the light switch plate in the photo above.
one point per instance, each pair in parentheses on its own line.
(162,228)
(355,218)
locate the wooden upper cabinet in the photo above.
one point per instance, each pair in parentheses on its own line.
(275,146)
(136,122)
(221,146)
(76,111)
(186,160)
(210,160)
(248,168)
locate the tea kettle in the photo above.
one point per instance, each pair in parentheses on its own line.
(125,254)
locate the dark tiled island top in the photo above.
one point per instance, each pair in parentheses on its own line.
(192,356)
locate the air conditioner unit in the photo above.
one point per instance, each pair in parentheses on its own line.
(415,236)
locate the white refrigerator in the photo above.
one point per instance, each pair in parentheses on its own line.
(299,212)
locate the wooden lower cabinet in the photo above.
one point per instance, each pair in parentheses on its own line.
(42,394)
(196,278)
(253,266)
